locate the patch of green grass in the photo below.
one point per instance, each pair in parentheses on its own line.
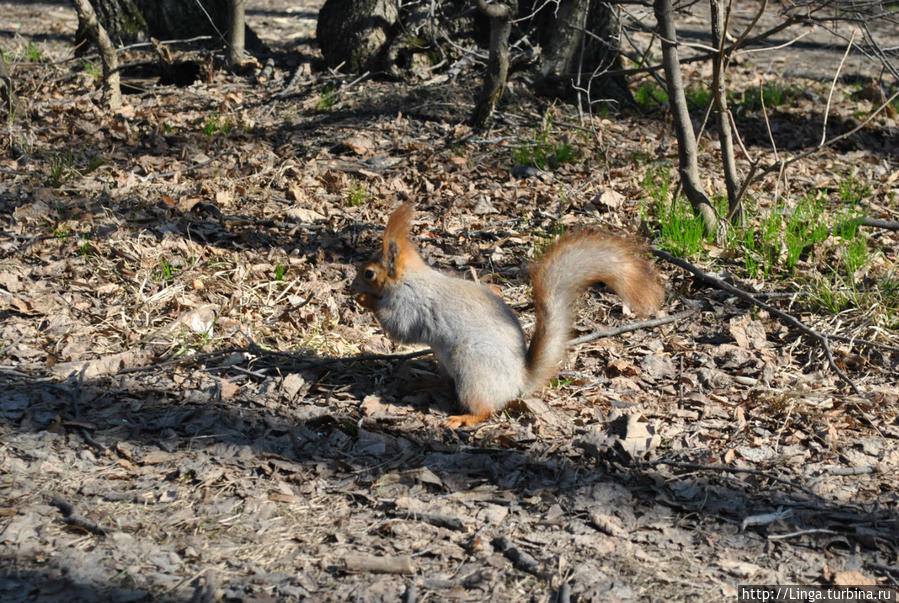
(543,150)
(85,249)
(356,194)
(33,53)
(779,238)
(838,287)
(93,162)
(280,271)
(650,95)
(91,69)
(680,231)
(559,382)
(698,97)
(189,340)
(773,243)
(165,271)
(219,263)
(61,168)
(217,125)
(853,190)
(855,256)
(326,98)
(774,94)
(804,228)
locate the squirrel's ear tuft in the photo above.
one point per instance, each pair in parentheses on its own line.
(391,258)
(398,253)
(399,225)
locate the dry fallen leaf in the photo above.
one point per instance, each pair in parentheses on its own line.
(360,144)
(853,578)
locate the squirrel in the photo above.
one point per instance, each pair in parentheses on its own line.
(476,337)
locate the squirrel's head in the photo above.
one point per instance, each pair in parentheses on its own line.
(369,284)
(397,255)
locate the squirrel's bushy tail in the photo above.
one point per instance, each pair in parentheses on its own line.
(576,261)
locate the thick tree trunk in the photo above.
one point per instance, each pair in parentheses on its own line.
(572,57)
(128,21)
(578,38)
(354,34)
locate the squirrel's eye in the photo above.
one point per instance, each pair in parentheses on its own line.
(369,274)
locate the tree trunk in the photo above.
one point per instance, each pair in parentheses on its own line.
(572,56)
(498,63)
(355,34)
(364,35)
(88,18)
(725,136)
(128,21)
(686,138)
(7,92)
(236,36)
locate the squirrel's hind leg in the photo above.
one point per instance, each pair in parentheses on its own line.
(479,411)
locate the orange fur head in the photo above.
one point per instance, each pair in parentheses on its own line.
(397,255)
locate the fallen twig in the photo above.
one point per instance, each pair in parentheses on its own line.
(435,519)
(873,222)
(765,518)
(787,318)
(836,470)
(634,326)
(801,533)
(357,562)
(520,559)
(293,81)
(863,342)
(71,517)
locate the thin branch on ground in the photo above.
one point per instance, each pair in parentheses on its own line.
(71,517)
(634,326)
(863,342)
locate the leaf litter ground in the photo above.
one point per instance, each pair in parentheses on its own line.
(185,414)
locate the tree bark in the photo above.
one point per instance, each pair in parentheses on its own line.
(686,138)
(7,93)
(579,38)
(128,21)
(236,27)
(112,92)
(354,34)
(725,137)
(500,15)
